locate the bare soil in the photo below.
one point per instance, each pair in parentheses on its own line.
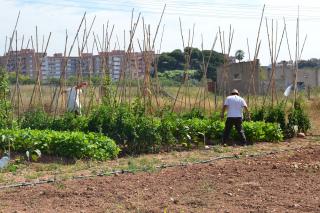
(283,182)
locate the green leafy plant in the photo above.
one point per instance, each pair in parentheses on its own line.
(148,137)
(198,128)
(63,144)
(5,106)
(194,113)
(270,114)
(69,122)
(34,154)
(36,119)
(136,133)
(258,113)
(276,114)
(297,117)
(166,129)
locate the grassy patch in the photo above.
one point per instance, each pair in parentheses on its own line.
(221,149)
(190,159)
(2,178)
(33,175)
(47,167)
(25,171)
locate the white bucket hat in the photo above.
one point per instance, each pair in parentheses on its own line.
(235,91)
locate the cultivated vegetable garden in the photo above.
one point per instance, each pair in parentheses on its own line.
(135,116)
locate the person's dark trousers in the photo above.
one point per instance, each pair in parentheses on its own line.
(237,122)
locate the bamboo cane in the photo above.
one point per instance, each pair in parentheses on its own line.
(66,57)
(256,52)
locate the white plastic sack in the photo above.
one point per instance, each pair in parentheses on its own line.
(288,90)
(4,161)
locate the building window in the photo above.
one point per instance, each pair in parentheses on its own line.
(236,77)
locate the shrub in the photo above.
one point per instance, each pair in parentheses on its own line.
(297,117)
(133,131)
(100,116)
(215,116)
(270,114)
(69,122)
(276,115)
(36,119)
(194,113)
(148,137)
(167,128)
(123,128)
(258,114)
(63,144)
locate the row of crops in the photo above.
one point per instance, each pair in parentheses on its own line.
(108,131)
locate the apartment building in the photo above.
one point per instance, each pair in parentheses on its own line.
(117,61)
(113,62)
(87,63)
(24,60)
(53,66)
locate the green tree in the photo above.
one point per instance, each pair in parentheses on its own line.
(23,79)
(177,54)
(175,60)
(166,62)
(239,55)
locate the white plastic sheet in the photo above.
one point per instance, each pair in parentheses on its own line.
(4,161)
(288,91)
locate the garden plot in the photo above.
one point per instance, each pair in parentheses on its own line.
(285,181)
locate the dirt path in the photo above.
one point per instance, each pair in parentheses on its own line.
(285,182)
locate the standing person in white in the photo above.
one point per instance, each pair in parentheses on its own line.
(73,96)
(234,104)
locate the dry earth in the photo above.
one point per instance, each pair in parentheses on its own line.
(281,182)
(288,181)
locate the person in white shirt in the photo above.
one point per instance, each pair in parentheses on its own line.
(234,104)
(73,97)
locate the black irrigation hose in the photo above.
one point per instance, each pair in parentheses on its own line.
(27,184)
(163,166)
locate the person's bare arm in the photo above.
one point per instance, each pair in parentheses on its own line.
(246,109)
(224,108)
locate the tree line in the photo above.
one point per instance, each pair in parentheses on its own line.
(176,60)
(313,62)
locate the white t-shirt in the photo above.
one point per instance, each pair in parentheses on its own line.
(234,105)
(73,97)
